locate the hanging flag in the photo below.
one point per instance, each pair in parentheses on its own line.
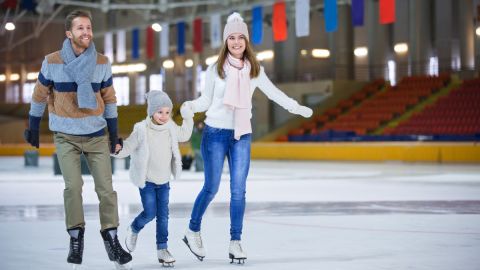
(12,4)
(302,18)
(279,22)
(164,41)
(357,12)
(135,43)
(121,47)
(215,25)
(108,46)
(257,25)
(197,35)
(180,38)
(29,5)
(331,15)
(387,11)
(150,43)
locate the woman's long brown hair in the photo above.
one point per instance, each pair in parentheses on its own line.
(247,54)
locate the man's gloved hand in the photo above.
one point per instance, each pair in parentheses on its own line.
(186,110)
(303,111)
(32,137)
(113,143)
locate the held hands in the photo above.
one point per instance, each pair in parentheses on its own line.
(303,111)
(186,110)
(32,137)
(118,147)
(114,142)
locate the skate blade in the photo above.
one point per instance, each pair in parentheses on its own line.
(166,264)
(200,258)
(126,266)
(236,260)
(75,266)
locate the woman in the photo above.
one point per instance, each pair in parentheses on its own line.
(227,98)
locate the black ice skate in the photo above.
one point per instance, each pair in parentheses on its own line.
(115,252)
(236,253)
(75,254)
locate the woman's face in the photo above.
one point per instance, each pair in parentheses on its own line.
(236,45)
(162,116)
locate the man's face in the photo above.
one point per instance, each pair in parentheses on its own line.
(81,33)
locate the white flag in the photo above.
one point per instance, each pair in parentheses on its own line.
(121,47)
(302,17)
(108,46)
(215,27)
(164,41)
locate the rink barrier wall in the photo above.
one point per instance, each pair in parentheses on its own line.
(467,152)
(379,151)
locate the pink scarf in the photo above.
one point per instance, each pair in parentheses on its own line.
(237,94)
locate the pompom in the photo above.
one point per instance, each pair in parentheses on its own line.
(234,17)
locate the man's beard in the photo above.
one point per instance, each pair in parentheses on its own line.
(79,43)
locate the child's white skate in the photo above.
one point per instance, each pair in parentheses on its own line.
(165,258)
(131,239)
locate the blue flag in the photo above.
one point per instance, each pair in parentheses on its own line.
(357,12)
(331,15)
(135,43)
(180,38)
(257,25)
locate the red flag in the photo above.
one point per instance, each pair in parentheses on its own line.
(279,22)
(387,11)
(9,4)
(150,43)
(197,35)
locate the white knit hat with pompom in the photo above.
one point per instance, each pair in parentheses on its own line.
(234,25)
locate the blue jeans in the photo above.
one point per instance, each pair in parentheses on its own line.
(216,145)
(155,204)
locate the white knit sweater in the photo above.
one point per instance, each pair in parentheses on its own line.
(219,115)
(136,146)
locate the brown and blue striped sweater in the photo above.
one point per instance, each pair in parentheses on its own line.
(57,89)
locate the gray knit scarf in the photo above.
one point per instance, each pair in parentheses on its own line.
(81,69)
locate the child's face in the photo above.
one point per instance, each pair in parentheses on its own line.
(162,116)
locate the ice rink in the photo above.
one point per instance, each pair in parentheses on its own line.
(300,215)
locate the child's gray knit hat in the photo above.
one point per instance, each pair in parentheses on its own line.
(157,99)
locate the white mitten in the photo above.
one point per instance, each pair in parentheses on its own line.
(303,111)
(186,110)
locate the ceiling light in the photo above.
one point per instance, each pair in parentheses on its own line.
(189,63)
(361,51)
(265,55)
(14,77)
(32,75)
(401,48)
(210,60)
(9,26)
(168,64)
(320,53)
(156,27)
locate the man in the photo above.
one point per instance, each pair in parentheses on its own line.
(76,83)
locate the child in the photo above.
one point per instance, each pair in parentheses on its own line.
(155,156)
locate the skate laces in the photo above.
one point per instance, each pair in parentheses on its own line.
(237,246)
(117,247)
(198,239)
(75,245)
(166,253)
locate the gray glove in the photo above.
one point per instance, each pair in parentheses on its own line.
(186,110)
